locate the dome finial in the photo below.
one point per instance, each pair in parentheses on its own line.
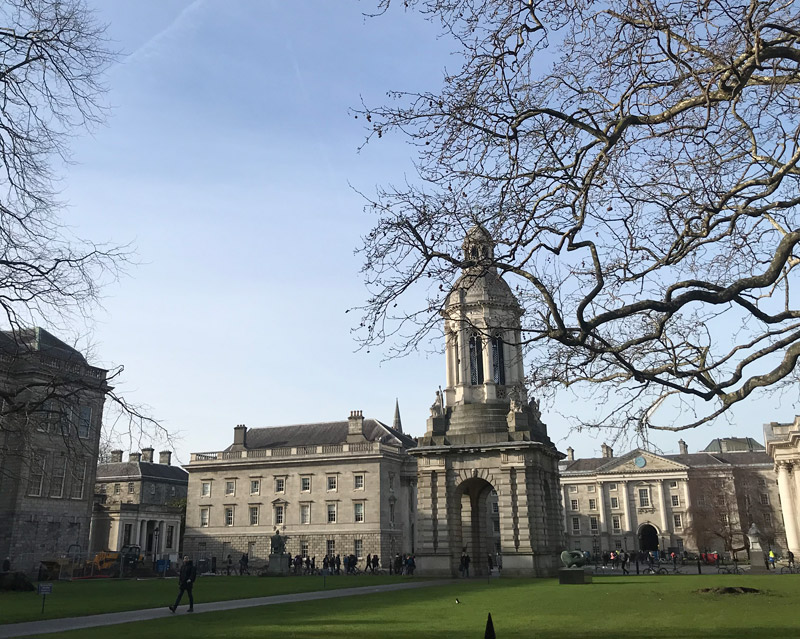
(478,244)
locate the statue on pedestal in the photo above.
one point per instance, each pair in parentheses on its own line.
(278,543)
(437,408)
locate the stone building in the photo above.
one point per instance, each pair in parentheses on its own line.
(783,446)
(486,456)
(333,488)
(140,502)
(52,406)
(697,502)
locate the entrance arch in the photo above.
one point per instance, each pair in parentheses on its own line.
(648,538)
(474,532)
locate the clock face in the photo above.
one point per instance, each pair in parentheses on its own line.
(640,462)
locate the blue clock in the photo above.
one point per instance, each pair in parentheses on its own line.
(640,462)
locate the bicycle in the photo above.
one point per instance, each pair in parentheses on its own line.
(655,570)
(730,570)
(790,569)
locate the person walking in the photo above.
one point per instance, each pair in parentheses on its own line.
(789,556)
(186,581)
(466,565)
(624,562)
(338,562)
(375,563)
(368,567)
(230,565)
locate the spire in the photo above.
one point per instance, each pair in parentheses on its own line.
(397,424)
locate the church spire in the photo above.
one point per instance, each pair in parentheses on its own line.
(397,424)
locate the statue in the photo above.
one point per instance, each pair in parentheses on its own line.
(573,558)
(534,406)
(437,408)
(516,399)
(754,537)
(278,543)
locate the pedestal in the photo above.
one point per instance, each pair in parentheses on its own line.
(278,565)
(574,576)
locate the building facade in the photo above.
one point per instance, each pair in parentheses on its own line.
(49,438)
(783,447)
(140,502)
(694,502)
(334,488)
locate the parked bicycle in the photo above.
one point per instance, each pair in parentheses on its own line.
(730,570)
(790,569)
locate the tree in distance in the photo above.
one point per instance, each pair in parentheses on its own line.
(636,164)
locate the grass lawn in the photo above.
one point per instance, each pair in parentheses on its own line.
(613,607)
(94,596)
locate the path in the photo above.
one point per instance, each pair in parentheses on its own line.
(112,618)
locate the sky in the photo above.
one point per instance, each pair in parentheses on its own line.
(230,161)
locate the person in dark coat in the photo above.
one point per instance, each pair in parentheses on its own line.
(186,583)
(375,563)
(338,563)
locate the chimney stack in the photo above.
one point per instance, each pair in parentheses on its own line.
(608,452)
(134,457)
(683,447)
(147,454)
(116,456)
(240,436)
(165,457)
(570,453)
(355,427)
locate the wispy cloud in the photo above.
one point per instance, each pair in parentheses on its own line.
(181,21)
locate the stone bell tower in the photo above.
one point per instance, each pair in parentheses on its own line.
(487,473)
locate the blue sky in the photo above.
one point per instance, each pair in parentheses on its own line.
(230,160)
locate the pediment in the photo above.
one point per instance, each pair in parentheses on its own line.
(640,461)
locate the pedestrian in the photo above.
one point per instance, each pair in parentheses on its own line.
(624,562)
(338,563)
(325,563)
(461,564)
(369,562)
(466,565)
(489,562)
(375,563)
(188,575)
(398,564)
(242,565)
(789,556)
(772,559)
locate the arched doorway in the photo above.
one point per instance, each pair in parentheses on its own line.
(648,538)
(478,532)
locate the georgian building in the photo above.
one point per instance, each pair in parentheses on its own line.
(50,422)
(696,502)
(783,446)
(140,502)
(345,487)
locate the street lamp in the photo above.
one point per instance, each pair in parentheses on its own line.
(155,547)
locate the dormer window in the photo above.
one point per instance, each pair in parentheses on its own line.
(476,359)
(498,360)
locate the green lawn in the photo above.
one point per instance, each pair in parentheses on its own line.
(612,607)
(90,597)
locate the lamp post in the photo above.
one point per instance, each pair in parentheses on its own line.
(155,546)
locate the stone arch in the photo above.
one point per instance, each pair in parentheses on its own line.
(473,531)
(648,536)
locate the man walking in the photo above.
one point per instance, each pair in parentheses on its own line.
(186,583)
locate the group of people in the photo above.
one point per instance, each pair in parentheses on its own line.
(403,565)
(243,565)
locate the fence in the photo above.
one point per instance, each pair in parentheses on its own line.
(80,565)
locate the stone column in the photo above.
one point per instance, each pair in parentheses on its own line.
(662,500)
(626,507)
(788,506)
(601,504)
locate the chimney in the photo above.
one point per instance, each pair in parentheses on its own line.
(134,457)
(355,427)
(165,457)
(240,436)
(116,456)
(683,447)
(147,454)
(608,452)
(570,453)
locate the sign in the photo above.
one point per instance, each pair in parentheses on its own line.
(45,589)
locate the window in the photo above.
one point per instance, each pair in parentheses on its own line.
(720,500)
(304,549)
(280,484)
(116,489)
(573,489)
(204,512)
(229,515)
(37,476)
(172,490)
(331,482)
(701,500)
(331,513)
(764,499)
(84,421)
(495,508)
(593,523)
(644,497)
(170,536)
(103,489)
(78,478)
(279,514)
(676,501)
(496,525)
(612,486)
(573,504)
(230,487)
(358,482)
(673,484)
(590,489)
(498,360)
(152,489)
(767,519)
(679,544)
(358,548)
(254,515)
(723,519)
(678,521)
(205,489)
(475,359)
(126,535)
(57,480)
(358,512)
(391,512)
(617,544)
(130,488)
(762,482)
(255,486)
(576,524)
(330,547)
(616,523)
(614,503)
(305,513)
(592,504)
(458,357)
(305,484)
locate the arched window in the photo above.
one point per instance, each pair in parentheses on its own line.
(476,359)
(457,358)
(498,360)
